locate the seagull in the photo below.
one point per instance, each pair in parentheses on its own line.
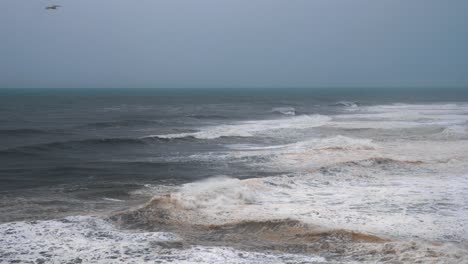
(53,7)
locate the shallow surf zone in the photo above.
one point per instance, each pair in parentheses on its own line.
(92,240)
(83,239)
(338,197)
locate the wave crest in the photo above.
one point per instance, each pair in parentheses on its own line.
(291,111)
(251,128)
(346,104)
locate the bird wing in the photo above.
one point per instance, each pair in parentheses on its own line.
(52,7)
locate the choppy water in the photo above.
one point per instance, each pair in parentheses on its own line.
(234,176)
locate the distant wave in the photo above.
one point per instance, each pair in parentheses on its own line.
(285,110)
(346,104)
(200,116)
(251,128)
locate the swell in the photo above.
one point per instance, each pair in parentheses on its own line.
(88,143)
(122,123)
(73,144)
(26,132)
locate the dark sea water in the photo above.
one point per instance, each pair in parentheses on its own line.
(241,175)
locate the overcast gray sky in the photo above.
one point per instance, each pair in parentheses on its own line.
(233,43)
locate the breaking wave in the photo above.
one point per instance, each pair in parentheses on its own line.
(346,104)
(335,143)
(204,213)
(455,130)
(251,128)
(187,213)
(291,111)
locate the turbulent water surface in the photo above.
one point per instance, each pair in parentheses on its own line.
(234,176)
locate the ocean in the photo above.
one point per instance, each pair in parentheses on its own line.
(322,175)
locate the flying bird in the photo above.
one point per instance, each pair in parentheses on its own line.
(52,7)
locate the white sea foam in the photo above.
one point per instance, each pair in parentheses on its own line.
(251,128)
(317,152)
(92,240)
(337,142)
(313,152)
(397,116)
(450,154)
(112,199)
(88,239)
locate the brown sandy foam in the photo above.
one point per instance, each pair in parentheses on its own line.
(381,161)
(283,234)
